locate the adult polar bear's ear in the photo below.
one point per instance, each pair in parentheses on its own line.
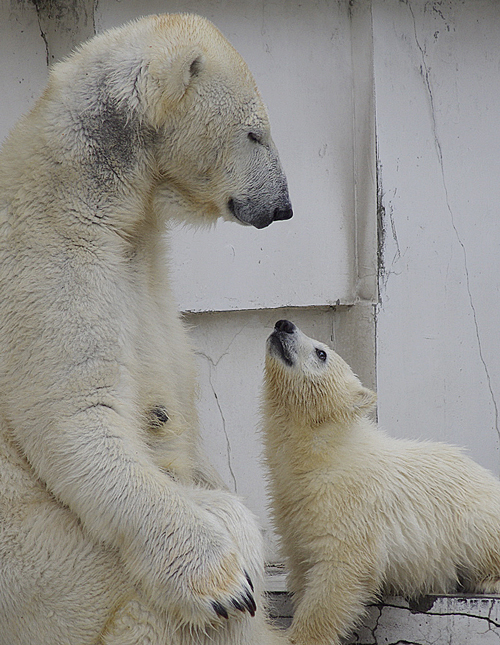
(172,76)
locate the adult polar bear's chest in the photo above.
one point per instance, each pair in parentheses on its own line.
(159,361)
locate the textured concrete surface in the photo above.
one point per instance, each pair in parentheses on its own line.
(433,620)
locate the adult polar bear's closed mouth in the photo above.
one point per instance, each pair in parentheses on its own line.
(112,529)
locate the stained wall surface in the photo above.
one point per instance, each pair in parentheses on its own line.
(437,80)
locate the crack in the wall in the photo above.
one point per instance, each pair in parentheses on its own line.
(212,365)
(375,627)
(228,443)
(64,24)
(397,254)
(489,616)
(384,215)
(381,233)
(425,73)
(377,639)
(44,37)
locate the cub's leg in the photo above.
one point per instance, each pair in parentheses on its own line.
(334,599)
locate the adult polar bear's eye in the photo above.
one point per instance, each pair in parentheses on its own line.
(321,354)
(253,136)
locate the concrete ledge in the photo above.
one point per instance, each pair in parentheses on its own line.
(433,620)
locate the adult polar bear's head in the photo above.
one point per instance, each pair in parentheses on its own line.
(306,381)
(169,95)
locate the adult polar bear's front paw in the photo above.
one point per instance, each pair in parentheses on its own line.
(201,576)
(216,589)
(229,513)
(213,585)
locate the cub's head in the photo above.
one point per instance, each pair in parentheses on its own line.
(307,380)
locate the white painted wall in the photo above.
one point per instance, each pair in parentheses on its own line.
(437,80)
(23,72)
(288,46)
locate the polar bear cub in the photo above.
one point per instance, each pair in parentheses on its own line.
(360,513)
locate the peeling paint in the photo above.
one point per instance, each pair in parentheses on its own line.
(385,217)
(381,232)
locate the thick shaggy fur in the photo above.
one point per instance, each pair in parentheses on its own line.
(112,529)
(361,513)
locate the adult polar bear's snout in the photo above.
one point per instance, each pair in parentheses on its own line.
(268,200)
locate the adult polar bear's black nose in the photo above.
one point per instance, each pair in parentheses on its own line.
(282,213)
(252,213)
(285,326)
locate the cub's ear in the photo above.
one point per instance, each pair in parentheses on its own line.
(364,400)
(175,75)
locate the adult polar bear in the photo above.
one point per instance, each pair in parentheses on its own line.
(111,528)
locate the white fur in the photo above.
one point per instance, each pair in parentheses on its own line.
(111,527)
(361,513)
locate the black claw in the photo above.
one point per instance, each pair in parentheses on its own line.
(237,605)
(250,604)
(254,606)
(249,580)
(220,610)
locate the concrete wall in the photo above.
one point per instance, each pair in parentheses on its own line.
(437,80)
(399,93)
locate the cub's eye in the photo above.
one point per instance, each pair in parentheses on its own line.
(321,355)
(254,137)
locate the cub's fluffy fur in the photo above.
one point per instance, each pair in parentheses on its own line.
(361,513)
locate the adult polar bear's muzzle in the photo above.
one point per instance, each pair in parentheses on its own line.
(251,212)
(262,197)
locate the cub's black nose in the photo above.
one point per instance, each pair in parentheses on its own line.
(286,326)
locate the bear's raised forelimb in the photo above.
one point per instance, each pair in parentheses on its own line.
(84,444)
